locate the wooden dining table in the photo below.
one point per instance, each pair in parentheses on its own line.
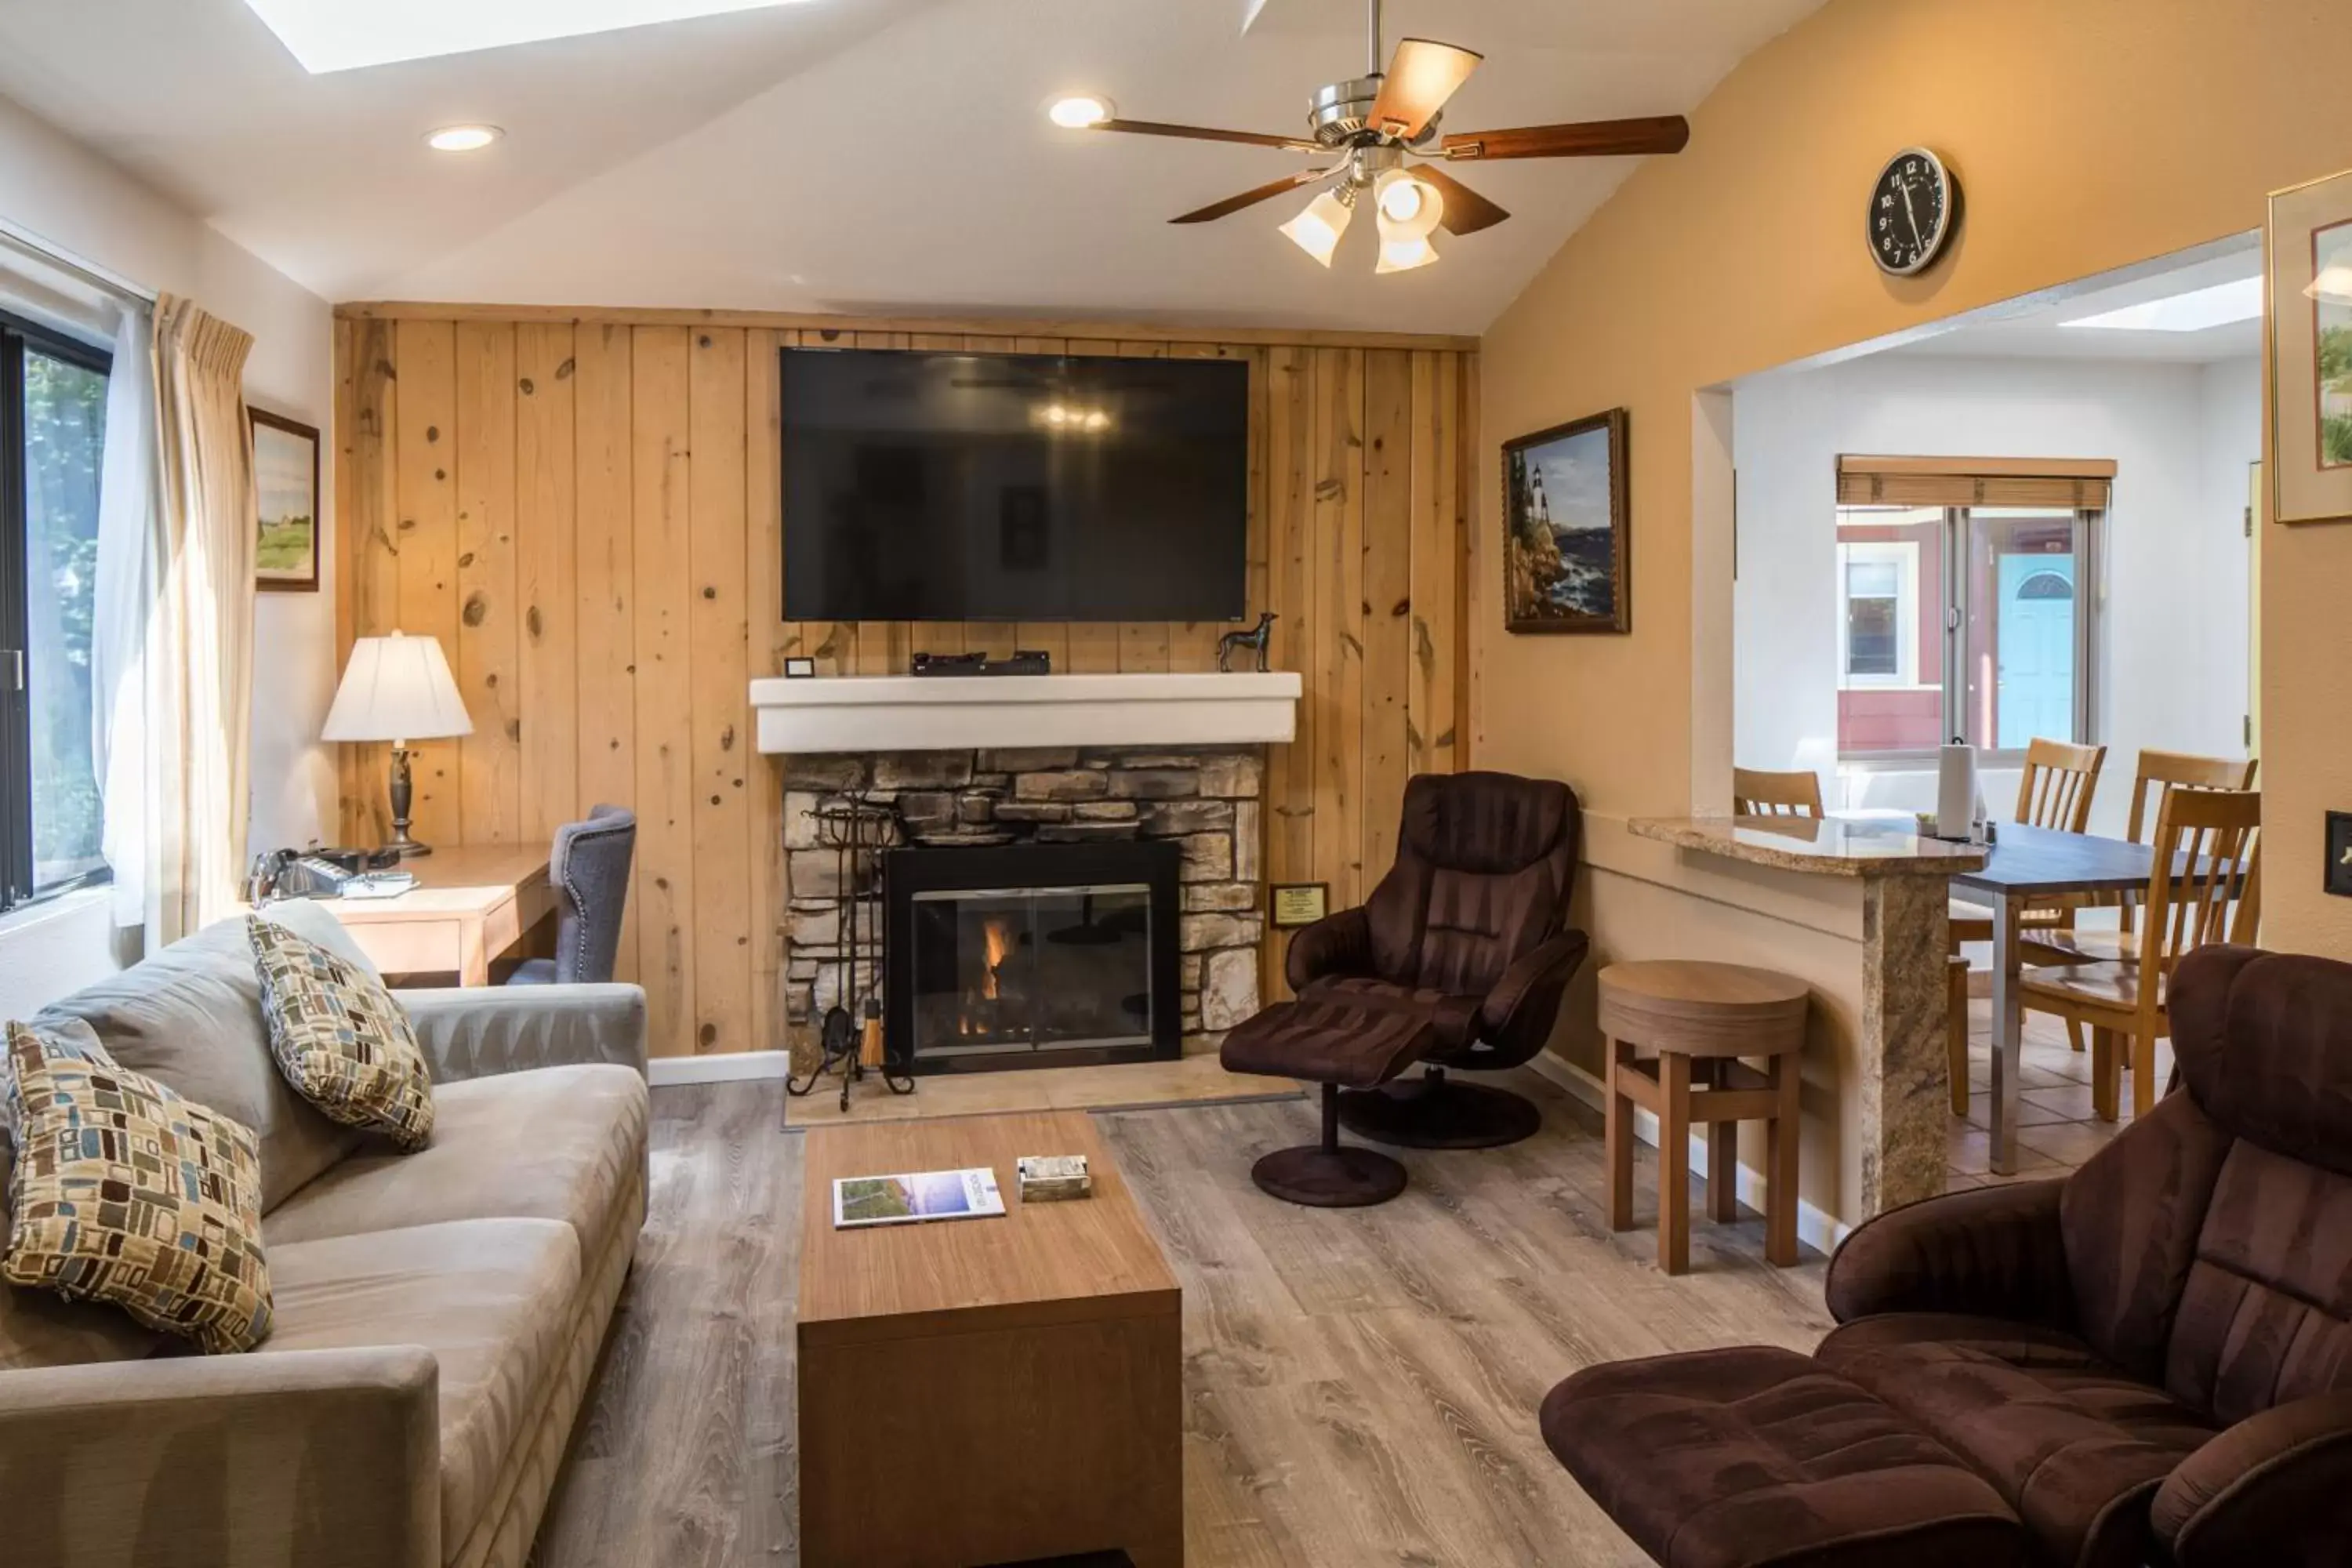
(2025,868)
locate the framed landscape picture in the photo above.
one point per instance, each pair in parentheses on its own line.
(286,473)
(1566,529)
(2309,244)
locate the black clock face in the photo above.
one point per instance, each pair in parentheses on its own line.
(1911,210)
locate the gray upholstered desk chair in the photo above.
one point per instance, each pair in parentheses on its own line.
(589,871)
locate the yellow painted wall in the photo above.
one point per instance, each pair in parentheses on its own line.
(2088,135)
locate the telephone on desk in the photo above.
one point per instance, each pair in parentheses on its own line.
(326,873)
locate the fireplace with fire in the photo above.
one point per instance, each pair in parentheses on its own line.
(1031,955)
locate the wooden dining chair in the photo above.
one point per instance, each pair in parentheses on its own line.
(1755,792)
(2159,774)
(2204,886)
(2059,781)
(2054,792)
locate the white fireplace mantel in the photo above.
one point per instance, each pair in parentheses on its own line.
(913,713)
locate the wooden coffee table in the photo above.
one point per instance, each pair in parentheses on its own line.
(986,1391)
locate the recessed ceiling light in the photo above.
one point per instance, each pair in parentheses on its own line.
(1079,111)
(2195,311)
(346,35)
(463,138)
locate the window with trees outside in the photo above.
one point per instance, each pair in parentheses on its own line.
(52,447)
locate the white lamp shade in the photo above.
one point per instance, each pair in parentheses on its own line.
(2334,285)
(397,689)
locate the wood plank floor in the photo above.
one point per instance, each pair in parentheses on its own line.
(1361,1385)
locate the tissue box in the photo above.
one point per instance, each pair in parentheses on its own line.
(1049,1178)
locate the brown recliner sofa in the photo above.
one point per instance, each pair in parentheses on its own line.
(2147,1362)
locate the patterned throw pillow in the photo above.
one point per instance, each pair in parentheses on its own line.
(340,1039)
(126,1192)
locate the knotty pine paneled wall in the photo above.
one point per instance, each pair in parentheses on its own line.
(586,511)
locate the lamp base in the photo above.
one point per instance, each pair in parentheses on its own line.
(400,843)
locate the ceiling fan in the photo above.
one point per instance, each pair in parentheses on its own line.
(1376,122)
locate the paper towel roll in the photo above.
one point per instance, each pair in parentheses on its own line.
(1956,791)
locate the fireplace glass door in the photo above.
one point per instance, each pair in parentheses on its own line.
(999,971)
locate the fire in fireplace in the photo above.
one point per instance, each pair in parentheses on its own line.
(1012,955)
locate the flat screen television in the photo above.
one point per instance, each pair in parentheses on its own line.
(967,486)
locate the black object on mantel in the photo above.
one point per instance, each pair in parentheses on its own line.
(1024,661)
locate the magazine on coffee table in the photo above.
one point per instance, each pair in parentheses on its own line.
(859,1201)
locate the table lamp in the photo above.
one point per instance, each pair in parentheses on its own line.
(397,689)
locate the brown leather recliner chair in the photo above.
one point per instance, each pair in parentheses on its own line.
(2147,1362)
(1469,930)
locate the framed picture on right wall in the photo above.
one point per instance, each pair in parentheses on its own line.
(2308,247)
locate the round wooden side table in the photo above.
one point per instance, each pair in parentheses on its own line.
(1697,1020)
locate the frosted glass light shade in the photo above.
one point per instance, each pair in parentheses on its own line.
(1404,255)
(397,689)
(1317,230)
(1410,208)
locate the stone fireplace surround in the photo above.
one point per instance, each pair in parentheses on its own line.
(1207,799)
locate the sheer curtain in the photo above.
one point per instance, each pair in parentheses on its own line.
(131,540)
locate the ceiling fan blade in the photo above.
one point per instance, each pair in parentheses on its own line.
(1466,210)
(1264,193)
(1591,139)
(1421,77)
(1204,133)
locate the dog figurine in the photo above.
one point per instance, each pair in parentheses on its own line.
(1258,638)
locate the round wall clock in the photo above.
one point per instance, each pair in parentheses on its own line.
(1914,209)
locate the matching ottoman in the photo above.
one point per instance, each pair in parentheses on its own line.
(1756,1456)
(1338,1044)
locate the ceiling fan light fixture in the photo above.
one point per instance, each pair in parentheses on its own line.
(1318,229)
(1080,111)
(1400,202)
(1410,208)
(1405,254)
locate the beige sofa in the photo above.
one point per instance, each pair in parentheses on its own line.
(439,1314)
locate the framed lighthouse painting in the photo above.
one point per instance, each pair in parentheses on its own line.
(1567,529)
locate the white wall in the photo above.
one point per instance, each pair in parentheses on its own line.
(53,187)
(2173,620)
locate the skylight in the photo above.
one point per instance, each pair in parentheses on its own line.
(2194,311)
(346,35)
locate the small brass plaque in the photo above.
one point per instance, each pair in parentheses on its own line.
(1299,903)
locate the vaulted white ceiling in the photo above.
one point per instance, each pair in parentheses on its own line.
(868,155)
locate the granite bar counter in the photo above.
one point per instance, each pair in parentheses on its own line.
(1901,1104)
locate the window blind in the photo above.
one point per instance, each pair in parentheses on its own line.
(2070,484)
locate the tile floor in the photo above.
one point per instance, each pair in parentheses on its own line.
(2055,1128)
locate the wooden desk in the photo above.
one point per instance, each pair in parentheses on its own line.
(471,903)
(986,1390)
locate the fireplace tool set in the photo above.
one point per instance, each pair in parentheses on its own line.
(850,1033)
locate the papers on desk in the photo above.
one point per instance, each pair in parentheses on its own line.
(379,884)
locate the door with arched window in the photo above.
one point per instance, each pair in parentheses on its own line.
(2035,688)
